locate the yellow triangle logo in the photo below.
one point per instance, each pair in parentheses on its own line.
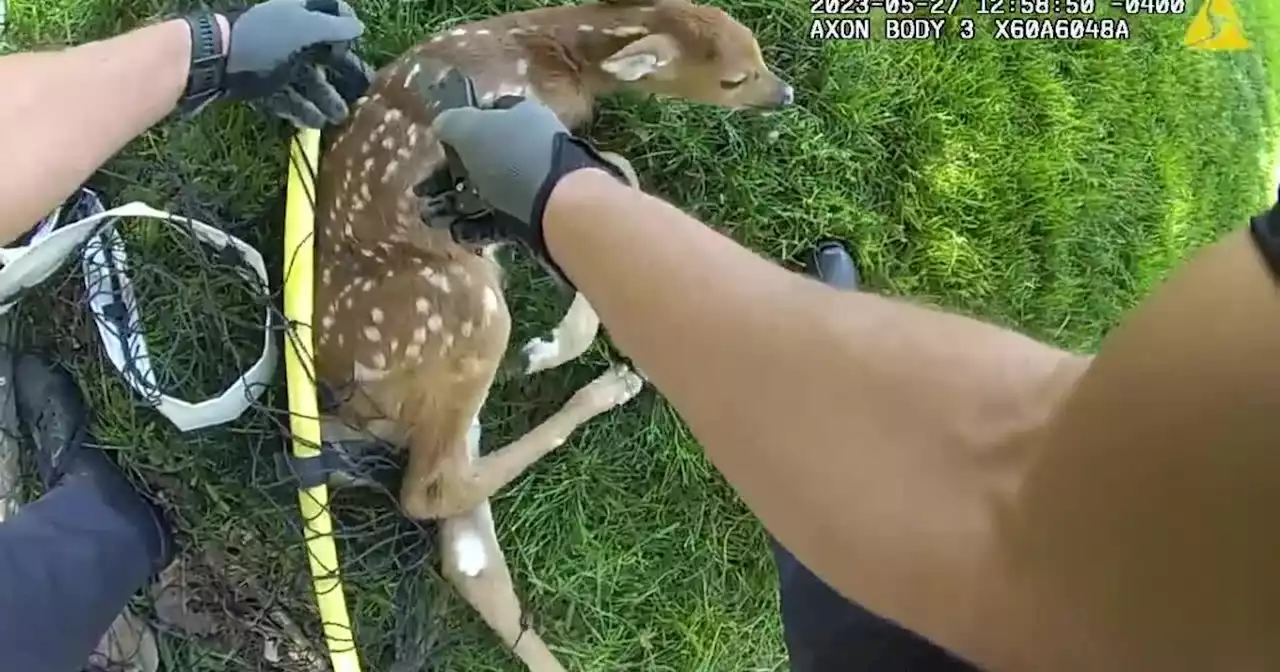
(1216,27)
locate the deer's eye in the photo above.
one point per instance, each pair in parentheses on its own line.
(733,83)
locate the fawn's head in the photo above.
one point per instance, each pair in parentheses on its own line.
(696,52)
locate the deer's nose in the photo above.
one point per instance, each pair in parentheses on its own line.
(786,96)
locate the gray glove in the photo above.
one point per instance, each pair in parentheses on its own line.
(514,157)
(292,57)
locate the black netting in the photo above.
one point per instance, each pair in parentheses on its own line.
(241,591)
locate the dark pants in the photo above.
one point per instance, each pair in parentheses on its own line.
(827,633)
(69,563)
(824,631)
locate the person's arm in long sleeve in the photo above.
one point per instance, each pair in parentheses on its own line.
(64,113)
(832,413)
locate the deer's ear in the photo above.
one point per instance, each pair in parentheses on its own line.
(642,57)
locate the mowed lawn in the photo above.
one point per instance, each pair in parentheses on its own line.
(1046,186)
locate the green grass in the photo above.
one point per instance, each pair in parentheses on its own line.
(1044,186)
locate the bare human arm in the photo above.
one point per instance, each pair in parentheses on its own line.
(65,113)
(1026,507)
(816,403)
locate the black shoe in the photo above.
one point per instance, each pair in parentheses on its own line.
(53,413)
(831,262)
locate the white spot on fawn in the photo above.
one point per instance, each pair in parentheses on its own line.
(372,334)
(327,322)
(522,67)
(439,281)
(389,171)
(626,31)
(380,360)
(466,329)
(388,142)
(586,28)
(423,305)
(365,374)
(459,32)
(462,43)
(437,38)
(510,90)
(376,315)
(412,73)
(482,31)
(394,114)
(468,551)
(434,323)
(420,335)
(367,285)
(490,300)
(413,351)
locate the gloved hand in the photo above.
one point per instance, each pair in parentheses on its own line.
(514,157)
(292,57)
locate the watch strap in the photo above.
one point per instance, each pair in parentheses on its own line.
(208,65)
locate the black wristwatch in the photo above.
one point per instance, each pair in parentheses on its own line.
(208,65)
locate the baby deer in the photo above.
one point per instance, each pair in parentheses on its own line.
(417,324)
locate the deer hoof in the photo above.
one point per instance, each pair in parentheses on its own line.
(611,389)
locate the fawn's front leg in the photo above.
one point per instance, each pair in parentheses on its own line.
(570,338)
(579,326)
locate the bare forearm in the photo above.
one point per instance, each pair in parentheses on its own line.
(800,393)
(65,113)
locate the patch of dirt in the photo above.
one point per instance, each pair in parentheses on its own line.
(205,597)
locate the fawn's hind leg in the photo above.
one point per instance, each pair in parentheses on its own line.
(474,563)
